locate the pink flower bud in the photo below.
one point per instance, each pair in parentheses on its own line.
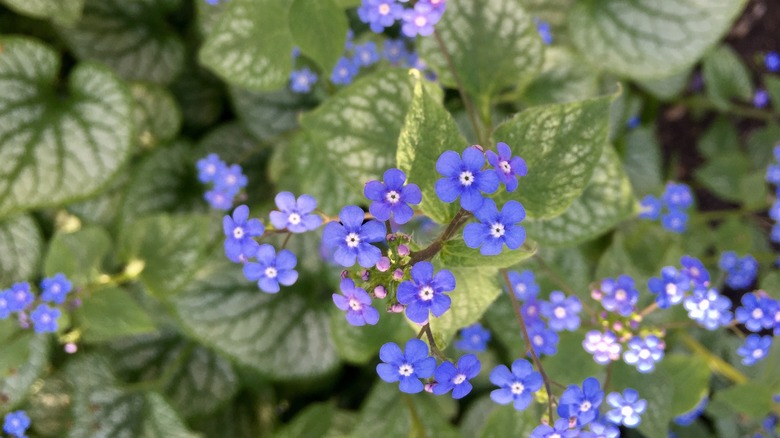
(71,348)
(380,292)
(396,308)
(429,387)
(365,275)
(398,275)
(403,250)
(383,264)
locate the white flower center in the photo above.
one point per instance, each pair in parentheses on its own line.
(520,288)
(585,406)
(644,353)
(426,293)
(238,233)
(538,340)
(559,312)
(517,388)
(620,295)
(420,21)
(694,272)
(757,313)
(466,178)
(211,169)
(497,230)
(270,272)
(555,435)
(704,305)
(355,304)
(55,288)
(384,9)
(353,240)
(626,411)
(460,378)
(230,179)
(46,318)
(758,353)
(294,218)
(406,370)
(505,166)
(531,310)
(393,197)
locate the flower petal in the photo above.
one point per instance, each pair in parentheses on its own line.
(448,189)
(411,194)
(368,255)
(352,217)
(391,353)
(474,235)
(373,231)
(394,178)
(473,159)
(374,191)
(449,164)
(422,272)
(306,204)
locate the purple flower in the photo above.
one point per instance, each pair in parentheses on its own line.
(464,178)
(272,269)
(425,292)
(604,347)
(543,340)
(643,353)
(394,51)
(650,208)
(473,338)
(523,284)
(55,289)
(695,270)
(408,367)
(344,71)
(677,196)
(302,80)
(16,424)
(627,408)
(366,54)
(516,386)
(210,167)
(508,168)
(296,216)
(357,303)
(708,308)
(742,273)
(560,430)
(379,14)
(581,403)
(454,378)
(420,20)
(44,319)
(756,312)
(495,229)
(219,199)
(392,197)
(352,238)
(670,287)
(620,295)
(754,349)
(239,232)
(19,297)
(562,312)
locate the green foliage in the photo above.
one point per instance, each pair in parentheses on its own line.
(726,77)
(110,313)
(23,360)
(319,29)
(80,255)
(20,236)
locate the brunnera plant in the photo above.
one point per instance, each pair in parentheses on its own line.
(357,217)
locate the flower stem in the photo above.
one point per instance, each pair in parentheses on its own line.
(431,250)
(716,364)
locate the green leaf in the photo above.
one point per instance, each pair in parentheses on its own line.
(78,255)
(427,132)
(109,313)
(726,77)
(649,39)
(25,354)
(606,201)
(283,336)
(720,138)
(316,416)
(194,379)
(57,148)
(62,12)
(493,45)
(200,96)
(455,254)
(251,45)
(564,78)
(657,388)
(21,239)
(772,85)
(669,87)
(319,29)
(642,161)
(722,175)
(132,38)
(561,145)
(751,398)
(506,421)
(232,142)
(360,345)
(171,248)
(690,377)
(570,351)
(267,114)
(761,144)
(156,114)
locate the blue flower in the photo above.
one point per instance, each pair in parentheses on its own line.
(531,310)
(495,229)
(19,297)
(650,208)
(687,418)
(366,54)
(465,178)
(408,367)
(627,408)
(773,174)
(352,238)
(524,284)
(772,61)
(754,349)
(344,71)
(357,303)
(219,199)
(210,167)
(602,430)
(544,31)
(5,303)
(677,196)
(508,168)
(620,295)
(392,197)
(582,403)
(16,423)
(272,269)
(516,386)
(774,210)
(394,51)
(633,122)
(44,319)
(425,292)
(296,216)
(302,80)
(239,232)
(473,338)
(756,312)
(543,340)
(708,308)
(379,14)
(774,235)
(695,270)
(55,289)
(740,274)
(562,312)
(643,353)
(456,378)
(675,221)
(561,430)
(419,20)
(728,261)
(230,180)
(760,99)
(604,347)
(670,287)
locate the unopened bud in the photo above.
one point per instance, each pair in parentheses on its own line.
(429,387)
(398,275)
(344,274)
(403,250)
(390,237)
(596,294)
(365,275)
(380,292)
(396,308)
(71,348)
(383,264)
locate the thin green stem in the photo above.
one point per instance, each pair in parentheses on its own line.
(716,364)
(702,103)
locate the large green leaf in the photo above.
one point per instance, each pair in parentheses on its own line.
(156,114)
(21,239)
(564,78)
(63,12)
(360,345)
(251,45)
(559,366)
(455,254)
(606,201)
(724,174)
(726,77)
(642,161)
(267,114)
(751,398)
(109,313)
(284,335)
(57,148)
(78,255)
(506,421)
(647,39)
(132,38)
(561,144)
(657,388)
(319,29)
(492,44)
(690,377)
(428,131)
(25,354)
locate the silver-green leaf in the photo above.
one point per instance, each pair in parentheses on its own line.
(21,239)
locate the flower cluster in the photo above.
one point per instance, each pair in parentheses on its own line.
(20,300)
(473,339)
(416,20)
(758,312)
(227,181)
(672,207)
(740,272)
(16,423)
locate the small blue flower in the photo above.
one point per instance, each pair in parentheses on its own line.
(754,349)
(742,274)
(708,308)
(230,180)
(603,430)
(366,54)
(210,167)
(473,338)
(55,289)
(643,353)
(495,229)
(695,270)
(543,340)
(561,430)
(760,99)
(454,378)
(352,238)
(677,195)
(582,403)
(531,310)
(687,418)
(517,386)
(604,347)
(392,197)
(772,61)
(408,367)
(465,178)
(544,31)
(508,168)
(302,80)
(757,312)
(16,423)
(44,319)
(272,269)
(19,297)
(670,288)
(650,208)
(357,303)
(627,408)
(219,199)
(728,261)
(296,52)
(419,20)
(633,122)
(394,51)
(426,291)
(5,304)
(379,14)
(562,312)
(620,295)
(239,232)
(524,284)
(295,215)
(774,210)
(344,71)
(774,235)
(675,221)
